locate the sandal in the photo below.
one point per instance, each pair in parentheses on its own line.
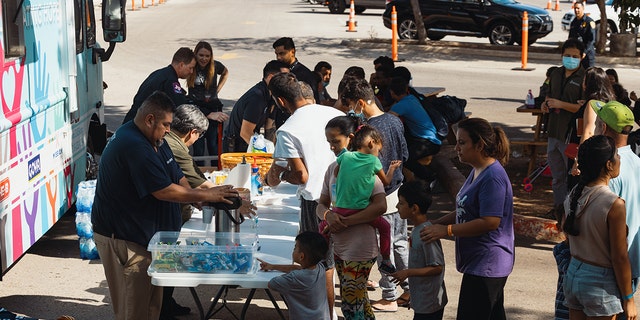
(404,300)
(372,285)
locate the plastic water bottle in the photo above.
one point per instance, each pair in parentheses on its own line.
(256,184)
(530,102)
(84,228)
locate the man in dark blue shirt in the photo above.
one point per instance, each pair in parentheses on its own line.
(166,80)
(249,112)
(137,194)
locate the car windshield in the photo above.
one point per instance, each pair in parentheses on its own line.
(504,1)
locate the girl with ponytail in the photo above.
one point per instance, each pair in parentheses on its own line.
(598,279)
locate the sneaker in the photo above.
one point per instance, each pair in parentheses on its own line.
(387,267)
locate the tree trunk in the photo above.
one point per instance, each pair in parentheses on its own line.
(601,44)
(417,17)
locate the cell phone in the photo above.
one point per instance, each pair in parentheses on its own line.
(386,268)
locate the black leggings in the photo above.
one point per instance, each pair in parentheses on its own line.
(481,298)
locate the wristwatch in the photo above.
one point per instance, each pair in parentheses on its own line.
(281,175)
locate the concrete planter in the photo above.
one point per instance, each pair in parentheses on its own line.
(623,44)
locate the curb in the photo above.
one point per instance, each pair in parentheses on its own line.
(536,53)
(452,179)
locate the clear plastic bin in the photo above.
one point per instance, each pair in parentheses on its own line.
(213,253)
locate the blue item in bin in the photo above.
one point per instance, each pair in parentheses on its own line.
(234,253)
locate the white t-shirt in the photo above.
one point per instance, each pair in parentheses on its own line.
(302,136)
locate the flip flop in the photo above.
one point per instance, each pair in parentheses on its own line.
(372,285)
(384,309)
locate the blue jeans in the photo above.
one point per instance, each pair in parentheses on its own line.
(399,255)
(591,289)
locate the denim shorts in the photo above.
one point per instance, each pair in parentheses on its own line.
(591,289)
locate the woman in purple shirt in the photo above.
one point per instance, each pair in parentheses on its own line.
(483,222)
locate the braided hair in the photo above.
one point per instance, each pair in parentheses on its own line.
(593,156)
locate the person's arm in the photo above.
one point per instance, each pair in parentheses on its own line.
(184,183)
(617,222)
(286,268)
(589,124)
(223,79)
(177,193)
(559,104)
(297,173)
(207,184)
(429,271)
(471,228)
(246,130)
(376,208)
(387,178)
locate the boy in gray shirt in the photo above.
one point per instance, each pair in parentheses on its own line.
(426,260)
(303,285)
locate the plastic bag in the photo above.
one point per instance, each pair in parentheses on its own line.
(258,144)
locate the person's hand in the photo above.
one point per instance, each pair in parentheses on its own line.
(400,276)
(395,164)
(218,116)
(334,222)
(574,170)
(633,96)
(247,209)
(432,233)
(552,103)
(545,106)
(221,193)
(629,307)
(265,266)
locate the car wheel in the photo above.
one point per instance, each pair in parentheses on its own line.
(360,9)
(435,37)
(407,29)
(502,34)
(336,6)
(611,28)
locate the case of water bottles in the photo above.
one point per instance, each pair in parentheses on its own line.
(84,201)
(194,252)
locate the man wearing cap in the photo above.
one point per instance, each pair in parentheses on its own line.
(615,120)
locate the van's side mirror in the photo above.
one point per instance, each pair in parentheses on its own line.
(114,25)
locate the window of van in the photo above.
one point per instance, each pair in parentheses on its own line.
(12,18)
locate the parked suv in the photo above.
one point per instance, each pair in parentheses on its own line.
(499,20)
(338,6)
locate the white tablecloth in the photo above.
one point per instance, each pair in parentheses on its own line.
(278,216)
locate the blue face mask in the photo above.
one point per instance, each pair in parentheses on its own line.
(570,63)
(325,84)
(360,115)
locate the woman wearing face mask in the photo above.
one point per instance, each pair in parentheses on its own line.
(204,86)
(565,90)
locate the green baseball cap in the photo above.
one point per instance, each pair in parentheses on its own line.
(616,115)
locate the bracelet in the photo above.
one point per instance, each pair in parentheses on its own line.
(628,297)
(325,215)
(281,175)
(450,231)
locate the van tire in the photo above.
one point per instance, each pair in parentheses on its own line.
(336,6)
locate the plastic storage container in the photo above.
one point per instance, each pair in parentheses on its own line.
(192,252)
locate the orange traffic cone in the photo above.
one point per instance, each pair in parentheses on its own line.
(557,7)
(548,5)
(352,18)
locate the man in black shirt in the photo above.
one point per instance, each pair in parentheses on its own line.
(166,80)
(249,112)
(583,28)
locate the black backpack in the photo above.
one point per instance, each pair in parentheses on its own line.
(438,119)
